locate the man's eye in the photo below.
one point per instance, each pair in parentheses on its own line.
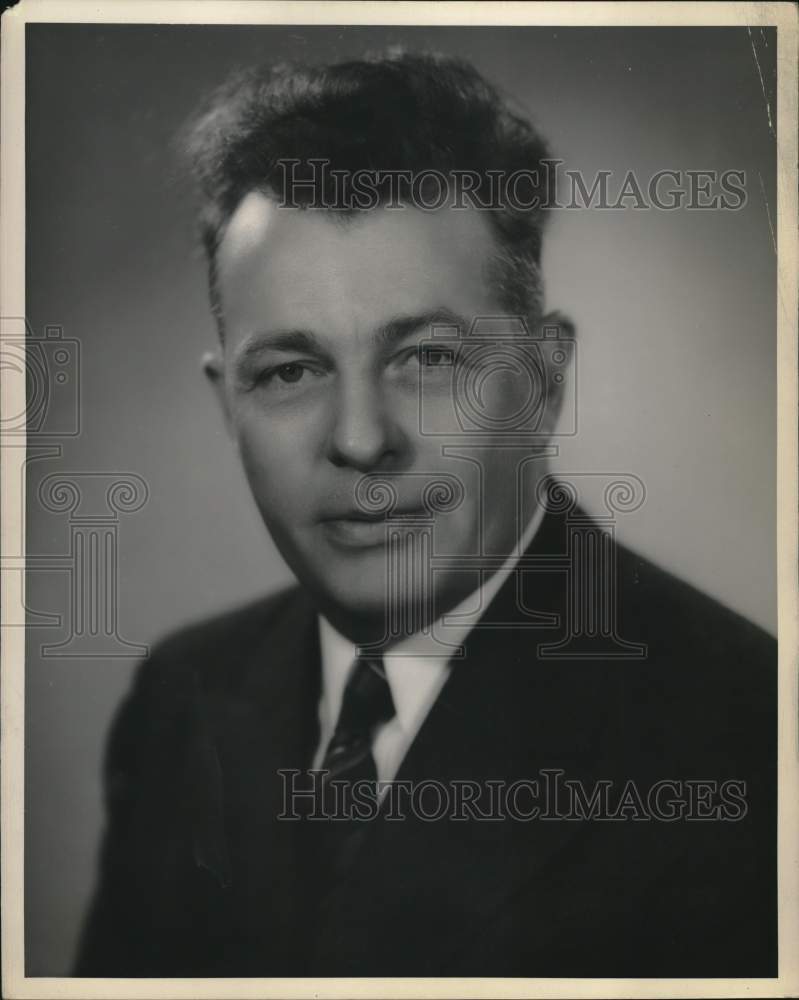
(290,372)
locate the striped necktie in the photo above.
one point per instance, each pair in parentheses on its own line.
(366,703)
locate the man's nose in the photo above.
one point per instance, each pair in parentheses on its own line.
(364,434)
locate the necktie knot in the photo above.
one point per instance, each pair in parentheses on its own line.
(366,703)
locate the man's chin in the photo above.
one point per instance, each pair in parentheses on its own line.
(358,587)
(363,593)
(359,601)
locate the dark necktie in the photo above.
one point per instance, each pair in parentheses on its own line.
(366,703)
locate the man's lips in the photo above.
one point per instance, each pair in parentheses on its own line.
(370,517)
(358,529)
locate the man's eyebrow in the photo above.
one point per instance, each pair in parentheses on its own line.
(301,341)
(399,327)
(306,342)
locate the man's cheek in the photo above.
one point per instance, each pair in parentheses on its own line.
(274,469)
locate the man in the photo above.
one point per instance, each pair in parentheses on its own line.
(601,736)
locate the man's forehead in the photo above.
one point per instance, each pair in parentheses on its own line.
(260,225)
(292,262)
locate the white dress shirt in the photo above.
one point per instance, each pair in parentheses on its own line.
(415,669)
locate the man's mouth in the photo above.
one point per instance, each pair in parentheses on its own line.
(362,529)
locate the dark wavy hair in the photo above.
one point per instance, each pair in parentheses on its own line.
(390,112)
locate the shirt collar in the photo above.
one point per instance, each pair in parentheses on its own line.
(415,668)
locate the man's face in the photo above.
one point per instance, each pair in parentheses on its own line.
(323,384)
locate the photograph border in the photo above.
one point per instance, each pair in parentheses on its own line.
(783,16)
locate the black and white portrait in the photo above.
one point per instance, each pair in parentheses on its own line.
(400,546)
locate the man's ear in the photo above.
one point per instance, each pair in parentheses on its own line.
(214,368)
(556,329)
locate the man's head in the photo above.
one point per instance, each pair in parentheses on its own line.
(323,287)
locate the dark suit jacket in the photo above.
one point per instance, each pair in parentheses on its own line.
(199,877)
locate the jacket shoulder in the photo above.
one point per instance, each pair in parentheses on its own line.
(707,682)
(215,648)
(656,602)
(235,625)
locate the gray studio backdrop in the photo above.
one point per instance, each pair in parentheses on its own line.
(676,315)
